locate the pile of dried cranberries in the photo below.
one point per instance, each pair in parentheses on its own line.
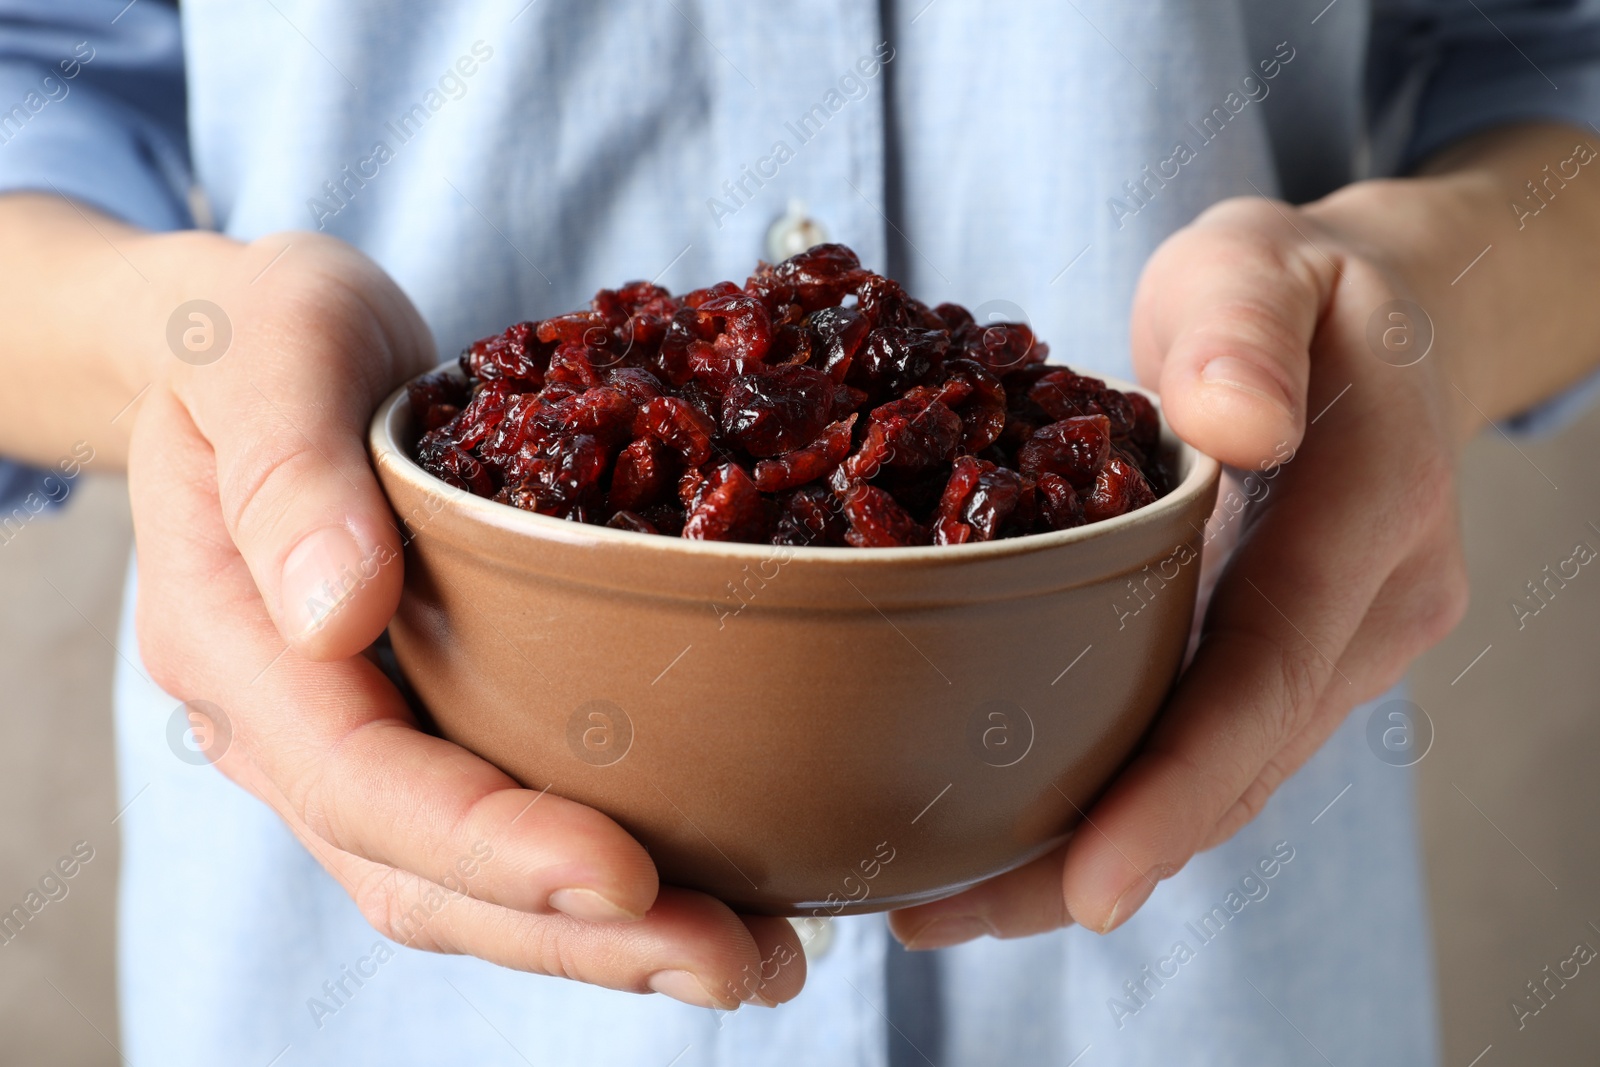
(779,413)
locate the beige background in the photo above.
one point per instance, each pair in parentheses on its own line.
(1509,789)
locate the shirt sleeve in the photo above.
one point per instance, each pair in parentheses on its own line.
(1456,67)
(1441,70)
(92,107)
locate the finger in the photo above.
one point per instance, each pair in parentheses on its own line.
(690,947)
(1019,903)
(1223,321)
(286,410)
(332,745)
(1280,619)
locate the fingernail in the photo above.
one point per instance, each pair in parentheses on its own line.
(1247,378)
(1131,900)
(685,986)
(590,906)
(319,574)
(948,930)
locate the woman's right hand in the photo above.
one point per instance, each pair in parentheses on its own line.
(269,560)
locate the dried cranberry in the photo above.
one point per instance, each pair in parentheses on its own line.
(515,427)
(559,470)
(777,412)
(1001,347)
(948,527)
(1075,448)
(1118,411)
(515,355)
(588,328)
(913,433)
(448,462)
(1118,488)
(573,362)
(1000,493)
(730,508)
(895,358)
(884,423)
(978,399)
(816,278)
(836,336)
(884,302)
(809,516)
(791,341)
(636,383)
(645,473)
(878,521)
(725,336)
(981,500)
(954,316)
(1059,506)
(604,412)
(1146,431)
(1063,394)
(482,413)
(436,399)
(744,331)
(806,464)
(679,425)
(649,309)
(847,399)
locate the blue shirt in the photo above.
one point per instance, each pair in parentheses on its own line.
(502,160)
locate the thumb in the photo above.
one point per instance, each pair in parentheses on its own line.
(286,413)
(1223,321)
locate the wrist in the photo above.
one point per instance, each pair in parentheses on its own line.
(1419,233)
(1510,302)
(181,267)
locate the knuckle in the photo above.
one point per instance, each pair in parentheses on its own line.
(376,897)
(1302,674)
(315,796)
(551,951)
(258,490)
(1251,802)
(1446,606)
(406,918)
(1429,492)
(1245,213)
(165,667)
(170,656)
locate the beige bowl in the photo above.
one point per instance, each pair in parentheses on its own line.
(798,731)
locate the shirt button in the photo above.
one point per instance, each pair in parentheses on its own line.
(794,233)
(816,935)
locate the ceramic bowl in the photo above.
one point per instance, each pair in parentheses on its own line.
(797,731)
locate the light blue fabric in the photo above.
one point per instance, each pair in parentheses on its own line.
(590,143)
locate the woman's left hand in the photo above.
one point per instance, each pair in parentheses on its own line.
(1270,332)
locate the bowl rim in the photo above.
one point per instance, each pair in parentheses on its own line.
(385,439)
